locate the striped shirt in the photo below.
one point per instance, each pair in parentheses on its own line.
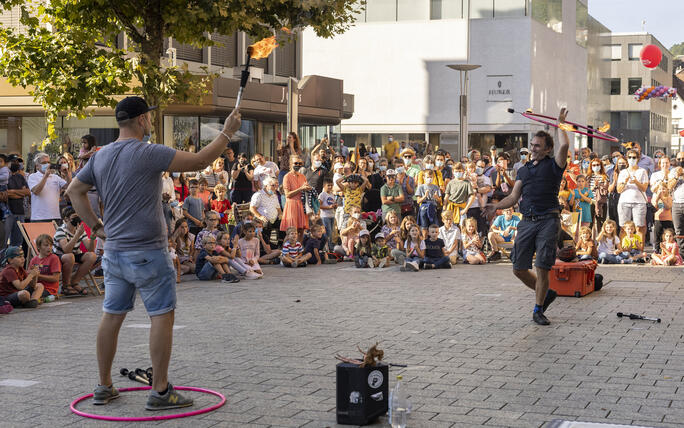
(63,233)
(292,250)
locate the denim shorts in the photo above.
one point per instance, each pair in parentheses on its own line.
(151,272)
(536,236)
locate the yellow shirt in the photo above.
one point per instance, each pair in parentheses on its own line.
(632,243)
(391,150)
(352,198)
(438,181)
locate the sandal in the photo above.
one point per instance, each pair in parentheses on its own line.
(69,292)
(79,290)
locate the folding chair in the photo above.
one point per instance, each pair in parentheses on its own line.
(31,231)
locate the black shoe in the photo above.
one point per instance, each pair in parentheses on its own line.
(496,256)
(550,297)
(32,304)
(428,266)
(540,318)
(229,278)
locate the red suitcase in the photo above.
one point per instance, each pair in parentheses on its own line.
(573,278)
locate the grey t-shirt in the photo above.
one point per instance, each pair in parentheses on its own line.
(128,177)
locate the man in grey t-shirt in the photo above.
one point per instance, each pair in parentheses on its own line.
(128,176)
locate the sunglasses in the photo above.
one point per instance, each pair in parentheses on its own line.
(622,165)
(298,164)
(631,157)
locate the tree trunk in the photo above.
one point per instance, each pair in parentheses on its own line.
(150,61)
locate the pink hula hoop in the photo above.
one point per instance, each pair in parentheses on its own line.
(150,418)
(595,133)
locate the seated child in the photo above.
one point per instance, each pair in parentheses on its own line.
(585,248)
(350,236)
(293,254)
(67,245)
(17,286)
(399,254)
(609,247)
(380,251)
(249,248)
(184,245)
(435,254)
(503,230)
(211,221)
(669,251)
(415,250)
(391,229)
(362,251)
(428,197)
(315,245)
(229,249)
(210,262)
(472,244)
(267,255)
(451,235)
(48,263)
(632,244)
(247,218)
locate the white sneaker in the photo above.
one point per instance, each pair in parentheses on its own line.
(382,263)
(370,263)
(250,274)
(414,265)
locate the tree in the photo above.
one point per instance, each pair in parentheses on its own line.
(59,59)
(677,49)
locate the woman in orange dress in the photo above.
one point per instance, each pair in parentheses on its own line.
(294,183)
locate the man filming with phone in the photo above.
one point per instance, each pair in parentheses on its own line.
(46,186)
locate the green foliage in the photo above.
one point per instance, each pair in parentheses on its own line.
(58,60)
(677,49)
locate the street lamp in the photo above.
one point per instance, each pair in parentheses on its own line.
(463,70)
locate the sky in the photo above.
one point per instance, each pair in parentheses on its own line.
(663,17)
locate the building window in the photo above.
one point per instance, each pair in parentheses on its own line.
(224,53)
(411,10)
(634,50)
(381,10)
(615,86)
(633,83)
(582,20)
(446,9)
(615,119)
(634,120)
(509,8)
(549,13)
(615,52)
(664,64)
(481,9)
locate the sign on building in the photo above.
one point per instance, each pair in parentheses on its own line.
(499,88)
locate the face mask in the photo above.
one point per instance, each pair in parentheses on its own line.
(356,215)
(621,166)
(176,174)
(407,161)
(429,166)
(317,164)
(428,180)
(479,170)
(596,169)
(258,230)
(615,159)
(632,162)
(401,170)
(439,164)
(382,168)
(44,167)
(64,165)
(270,192)
(75,221)
(458,175)
(523,157)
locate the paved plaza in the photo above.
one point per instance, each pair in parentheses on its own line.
(474,356)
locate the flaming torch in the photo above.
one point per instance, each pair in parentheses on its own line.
(258,50)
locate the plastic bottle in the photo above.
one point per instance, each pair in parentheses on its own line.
(48,299)
(399,405)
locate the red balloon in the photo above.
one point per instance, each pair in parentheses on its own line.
(651,56)
(681,133)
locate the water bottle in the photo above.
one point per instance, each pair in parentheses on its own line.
(48,299)
(399,405)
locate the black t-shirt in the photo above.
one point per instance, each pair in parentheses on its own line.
(16,182)
(228,165)
(315,178)
(241,182)
(540,185)
(433,249)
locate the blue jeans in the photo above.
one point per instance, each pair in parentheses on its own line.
(361,261)
(207,273)
(427,214)
(329,222)
(151,272)
(613,259)
(439,263)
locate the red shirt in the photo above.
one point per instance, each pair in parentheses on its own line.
(221,207)
(50,265)
(574,169)
(182,192)
(9,275)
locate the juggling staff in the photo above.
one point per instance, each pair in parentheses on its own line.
(259,50)
(599,133)
(637,317)
(133,376)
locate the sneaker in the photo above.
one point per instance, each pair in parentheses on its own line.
(413,266)
(382,263)
(371,264)
(428,266)
(170,400)
(229,278)
(104,394)
(540,318)
(550,297)
(301,264)
(250,274)
(6,308)
(32,304)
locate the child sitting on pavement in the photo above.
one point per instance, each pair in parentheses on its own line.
(267,255)
(472,244)
(609,246)
(185,246)
(211,220)
(380,252)
(249,248)
(435,257)
(210,262)
(229,249)
(586,248)
(451,235)
(315,245)
(362,251)
(293,253)
(350,237)
(17,286)
(415,250)
(48,263)
(632,244)
(669,251)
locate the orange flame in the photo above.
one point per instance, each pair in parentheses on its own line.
(263,48)
(566,127)
(286,30)
(605,127)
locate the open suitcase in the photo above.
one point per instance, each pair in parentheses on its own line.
(573,278)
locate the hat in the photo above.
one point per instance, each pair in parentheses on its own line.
(390,172)
(524,150)
(354,177)
(338,165)
(12,252)
(364,232)
(379,235)
(131,107)
(407,151)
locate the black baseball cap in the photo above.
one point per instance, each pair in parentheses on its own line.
(131,107)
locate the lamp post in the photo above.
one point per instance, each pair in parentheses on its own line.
(463,70)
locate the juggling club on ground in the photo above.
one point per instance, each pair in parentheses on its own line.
(637,317)
(132,376)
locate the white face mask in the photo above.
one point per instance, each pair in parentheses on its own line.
(596,169)
(356,215)
(523,157)
(458,175)
(407,161)
(479,170)
(317,164)
(632,162)
(429,166)
(439,164)
(401,170)
(382,168)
